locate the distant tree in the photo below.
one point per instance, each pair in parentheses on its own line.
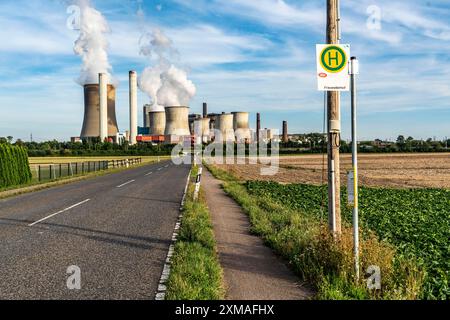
(10,139)
(400,139)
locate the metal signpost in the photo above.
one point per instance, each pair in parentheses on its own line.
(332,76)
(353,71)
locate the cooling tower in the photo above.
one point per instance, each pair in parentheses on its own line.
(201,130)
(157,122)
(146,116)
(177,121)
(91,122)
(241,126)
(224,125)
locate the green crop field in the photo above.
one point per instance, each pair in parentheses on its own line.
(416,221)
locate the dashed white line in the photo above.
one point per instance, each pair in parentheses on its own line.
(166,166)
(124,184)
(54,214)
(149,173)
(159,169)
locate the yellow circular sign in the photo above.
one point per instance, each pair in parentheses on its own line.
(333,59)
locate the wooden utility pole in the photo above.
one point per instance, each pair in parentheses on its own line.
(334,135)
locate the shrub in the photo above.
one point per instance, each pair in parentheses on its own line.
(14,165)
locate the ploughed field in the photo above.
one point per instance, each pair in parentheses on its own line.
(414,170)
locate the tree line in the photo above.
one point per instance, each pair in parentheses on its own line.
(88,148)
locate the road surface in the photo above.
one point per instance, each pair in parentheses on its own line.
(116,228)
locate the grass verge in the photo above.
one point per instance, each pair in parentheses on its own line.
(304,241)
(195,273)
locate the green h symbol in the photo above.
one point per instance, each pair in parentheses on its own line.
(335,58)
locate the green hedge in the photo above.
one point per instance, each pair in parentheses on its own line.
(14,166)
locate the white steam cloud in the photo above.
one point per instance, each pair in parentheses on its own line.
(92,44)
(165,84)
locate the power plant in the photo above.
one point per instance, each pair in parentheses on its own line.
(170,124)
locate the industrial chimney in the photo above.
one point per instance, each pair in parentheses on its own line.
(103,93)
(285,132)
(205,110)
(91,121)
(258,125)
(133,107)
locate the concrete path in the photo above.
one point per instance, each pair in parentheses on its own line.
(251,270)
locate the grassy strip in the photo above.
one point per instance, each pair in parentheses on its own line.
(304,241)
(196,273)
(36,186)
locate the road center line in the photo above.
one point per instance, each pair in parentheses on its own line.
(149,173)
(124,184)
(159,169)
(64,210)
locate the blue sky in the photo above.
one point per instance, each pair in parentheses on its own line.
(252,55)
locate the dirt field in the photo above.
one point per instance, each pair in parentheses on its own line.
(384,170)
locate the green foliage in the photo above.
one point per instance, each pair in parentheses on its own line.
(416,221)
(196,273)
(94,148)
(14,166)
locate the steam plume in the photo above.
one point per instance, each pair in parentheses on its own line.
(91,44)
(165,84)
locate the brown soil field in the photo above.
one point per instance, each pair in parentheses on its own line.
(417,170)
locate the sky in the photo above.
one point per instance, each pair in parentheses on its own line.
(242,55)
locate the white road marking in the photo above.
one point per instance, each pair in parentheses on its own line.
(64,210)
(166,166)
(124,184)
(149,173)
(159,169)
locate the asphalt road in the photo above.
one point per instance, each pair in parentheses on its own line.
(116,228)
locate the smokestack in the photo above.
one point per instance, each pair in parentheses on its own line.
(103,93)
(133,107)
(205,109)
(258,125)
(285,132)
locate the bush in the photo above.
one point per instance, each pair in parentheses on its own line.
(14,166)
